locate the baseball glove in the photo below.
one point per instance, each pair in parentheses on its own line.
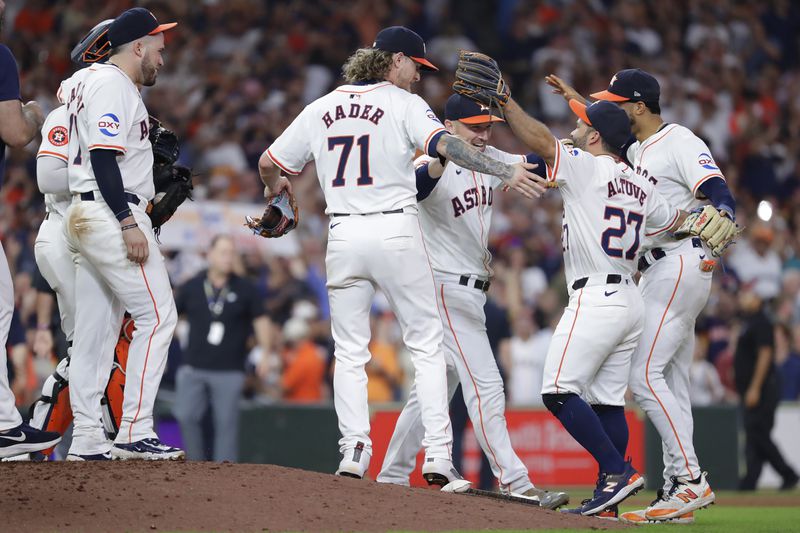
(173,187)
(478,77)
(166,148)
(280,217)
(712,226)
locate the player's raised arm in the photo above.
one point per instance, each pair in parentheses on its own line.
(562,88)
(518,177)
(533,133)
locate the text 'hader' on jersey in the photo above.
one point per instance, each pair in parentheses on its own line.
(471,198)
(623,186)
(365,112)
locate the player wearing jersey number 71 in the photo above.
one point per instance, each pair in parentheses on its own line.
(363,136)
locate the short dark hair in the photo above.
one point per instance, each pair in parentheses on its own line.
(219,236)
(654,107)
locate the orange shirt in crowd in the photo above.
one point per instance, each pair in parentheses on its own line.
(304,373)
(383,372)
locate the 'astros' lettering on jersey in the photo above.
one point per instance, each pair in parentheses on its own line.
(608,210)
(457,215)
(55,143)
(677,162)
(106,112)
(363,139)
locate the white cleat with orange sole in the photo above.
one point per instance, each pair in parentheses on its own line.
(683,498)
(639,518)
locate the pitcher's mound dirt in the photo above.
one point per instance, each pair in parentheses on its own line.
(146,496)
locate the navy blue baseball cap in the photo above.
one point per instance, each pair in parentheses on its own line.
(609,119)
(401,39)
(134,24)
(631,85)
(468,111)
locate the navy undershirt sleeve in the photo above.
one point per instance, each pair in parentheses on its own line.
(536,159)
(109,181)
(717,191)
(425,183)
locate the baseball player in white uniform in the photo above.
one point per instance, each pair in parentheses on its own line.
(110,179)
(675,284)
(18,127)
(455,214)
(608,211)
(362,137)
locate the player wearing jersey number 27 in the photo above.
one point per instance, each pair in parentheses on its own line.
(363,137)
(606,211)
(675,283)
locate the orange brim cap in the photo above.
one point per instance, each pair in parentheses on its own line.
(163,27)
(609,97)
(481,119)
(580,110)
(424,62)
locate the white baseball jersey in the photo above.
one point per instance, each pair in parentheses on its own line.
(457,214)
(55,143)
(340,132)
(106,112)
(677,161)
(608,210)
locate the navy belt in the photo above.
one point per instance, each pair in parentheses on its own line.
(611,279)
(129,197)
(659,254)
(392,212)
(478,284)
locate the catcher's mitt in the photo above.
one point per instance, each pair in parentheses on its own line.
(712,226)
(478,77)
(166,148)
(280,217)
(173,187)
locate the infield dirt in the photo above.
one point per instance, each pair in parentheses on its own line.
(194,496)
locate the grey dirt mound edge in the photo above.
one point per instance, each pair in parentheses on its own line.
(173,496)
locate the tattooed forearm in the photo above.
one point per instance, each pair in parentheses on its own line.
(464,155)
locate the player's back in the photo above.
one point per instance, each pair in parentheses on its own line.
(608,210)
(363,139)
(677,162)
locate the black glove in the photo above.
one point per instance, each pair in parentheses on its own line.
(478,77)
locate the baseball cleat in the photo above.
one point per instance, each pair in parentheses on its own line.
(147,450)
(90,457)
(26,439)
(612,489)
(639,518)
(547,499)
(683,498)
(354,463)
(442,473)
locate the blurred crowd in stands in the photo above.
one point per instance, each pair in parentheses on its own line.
(238,71)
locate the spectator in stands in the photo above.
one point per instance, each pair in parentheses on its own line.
(705,387)
(523,357)
(304,364)
(222,310)
(755,261)
(384,375)
(759,389)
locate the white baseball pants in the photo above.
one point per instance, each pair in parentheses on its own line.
(55,262)
(590,353)
(9,416)
(675,290)
(144,290)
(386,251)
(470,362)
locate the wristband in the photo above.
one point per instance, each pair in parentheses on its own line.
(130,226)
(43,327)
